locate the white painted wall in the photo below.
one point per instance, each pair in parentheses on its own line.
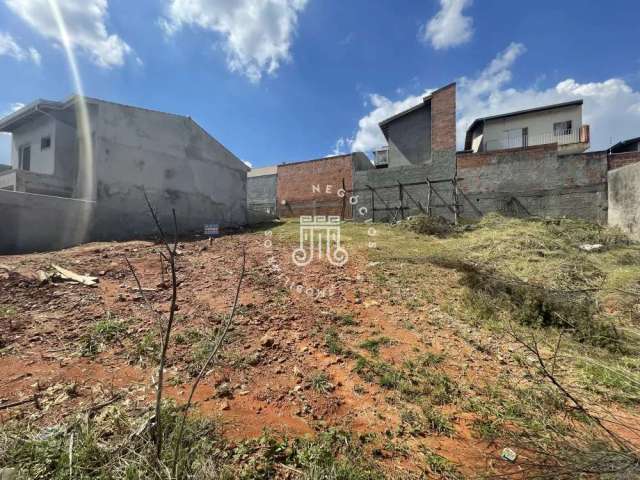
(42,161)
(539,124)
(5,148)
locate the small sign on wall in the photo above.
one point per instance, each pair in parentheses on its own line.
(212,230)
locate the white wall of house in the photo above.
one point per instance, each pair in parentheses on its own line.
(539,125)
(42,161)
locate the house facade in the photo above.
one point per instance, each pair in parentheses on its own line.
(131,151)
(559,124)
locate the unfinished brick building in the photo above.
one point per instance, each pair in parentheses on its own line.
(318,187)
(420,163)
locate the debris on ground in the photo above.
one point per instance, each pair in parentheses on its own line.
(508,454)
(591,247)
(65,274)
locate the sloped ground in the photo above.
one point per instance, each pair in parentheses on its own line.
(405,368)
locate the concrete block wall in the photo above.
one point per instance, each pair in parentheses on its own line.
(534,181)
(32,222)
(433,146)
(262,201)
(43,184)
(384,203)
(624,199)
(178,164)
(262,193)
(617,160)
(409,138)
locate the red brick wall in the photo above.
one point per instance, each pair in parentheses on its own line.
(617,160)
(443,119)
(296,183)
(474,160)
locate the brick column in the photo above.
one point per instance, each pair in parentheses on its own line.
(443,129)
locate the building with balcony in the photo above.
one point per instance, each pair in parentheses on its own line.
(44,157)
(559,124)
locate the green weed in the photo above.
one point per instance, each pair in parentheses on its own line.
(332,341)
(373,344)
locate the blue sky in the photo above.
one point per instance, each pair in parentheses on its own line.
(288,80)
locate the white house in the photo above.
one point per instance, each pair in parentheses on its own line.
(559,123)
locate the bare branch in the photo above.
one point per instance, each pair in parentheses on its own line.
(549,375)
(144,297)
(165,344)
(212,355)
(156,220)
(175,231)
(555,353)
(166,334)
(5,406)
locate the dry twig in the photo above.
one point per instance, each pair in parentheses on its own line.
(212,355)
(166,334)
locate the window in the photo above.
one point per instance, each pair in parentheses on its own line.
(45,142)
(24,157)
(513,138)
(562,128)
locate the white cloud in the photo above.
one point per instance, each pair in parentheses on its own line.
(343,145)
(611,107)
(35,56)
(256,34)
(369,136)
(449,27)
(12,107)
(9,47)
(86,25)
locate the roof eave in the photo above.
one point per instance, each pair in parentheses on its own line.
(8,123)
(530,110)
(522,112)
(387,121)
(624,143)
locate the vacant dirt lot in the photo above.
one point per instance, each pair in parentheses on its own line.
(390,351)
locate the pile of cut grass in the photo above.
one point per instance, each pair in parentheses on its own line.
(425,225)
